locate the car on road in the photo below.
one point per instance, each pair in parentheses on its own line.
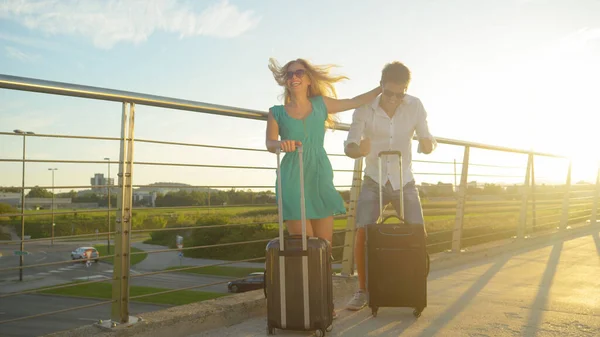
(253,281)
(85,253)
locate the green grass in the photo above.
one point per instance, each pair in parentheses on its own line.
(439,216)
(225,210)
(236,272)
(234,210)
(104,291)
(135,258)
(141,237)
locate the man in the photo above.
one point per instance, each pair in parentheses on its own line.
(388,123)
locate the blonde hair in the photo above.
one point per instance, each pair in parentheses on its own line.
(322,83)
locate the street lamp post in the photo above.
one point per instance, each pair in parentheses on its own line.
(24,133)
(52,169)
(108,212)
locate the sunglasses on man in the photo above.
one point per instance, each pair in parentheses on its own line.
(391,94)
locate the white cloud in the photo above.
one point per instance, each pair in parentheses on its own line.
(110,22)
(19,55)
(29,42)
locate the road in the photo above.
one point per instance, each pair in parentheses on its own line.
(24,305)
(70,271)
(15,306)
(67,271)
(43,253)
(547,291)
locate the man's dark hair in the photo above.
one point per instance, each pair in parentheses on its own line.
(395,72)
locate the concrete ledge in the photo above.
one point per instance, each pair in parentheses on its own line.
(182,320)
(193,318)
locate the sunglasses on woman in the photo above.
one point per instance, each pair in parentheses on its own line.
(299,73)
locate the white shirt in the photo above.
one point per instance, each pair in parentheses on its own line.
(396,134)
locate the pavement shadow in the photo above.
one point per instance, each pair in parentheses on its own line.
(463,301)
(541,299)
(393,321)
(444,271)
(389,322)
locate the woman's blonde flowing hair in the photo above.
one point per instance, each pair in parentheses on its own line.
(322,83)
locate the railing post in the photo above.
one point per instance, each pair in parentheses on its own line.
(521,231)
(594,218)
(460,203)
(533,198)
(454,174)
(22,214)
(108,211)
(565,210)
(349,238)
(120,285)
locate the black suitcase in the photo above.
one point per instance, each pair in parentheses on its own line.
(397,262)
(298,276)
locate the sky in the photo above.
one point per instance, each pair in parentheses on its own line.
(514,73)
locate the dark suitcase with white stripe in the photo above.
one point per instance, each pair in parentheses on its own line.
(397,262)
(298,276)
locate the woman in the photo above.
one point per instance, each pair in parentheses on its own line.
(309,106)
(307,110)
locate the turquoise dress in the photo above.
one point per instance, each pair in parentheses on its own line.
(321,197)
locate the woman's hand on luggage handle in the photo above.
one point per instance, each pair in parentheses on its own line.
(289,145)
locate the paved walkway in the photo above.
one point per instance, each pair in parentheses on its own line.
(548,291)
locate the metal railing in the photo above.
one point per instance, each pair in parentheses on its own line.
(459,216)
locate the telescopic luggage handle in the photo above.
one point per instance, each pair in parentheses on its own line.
(381,209)
(302,199)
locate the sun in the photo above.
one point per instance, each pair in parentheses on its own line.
(579,150)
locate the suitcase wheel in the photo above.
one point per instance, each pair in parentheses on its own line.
(320,333)
(417,312)
(374,311)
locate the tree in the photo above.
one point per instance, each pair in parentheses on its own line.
(265,197)
(492,189)
(10,189)
(8,209)
(38,192)
(87,198)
